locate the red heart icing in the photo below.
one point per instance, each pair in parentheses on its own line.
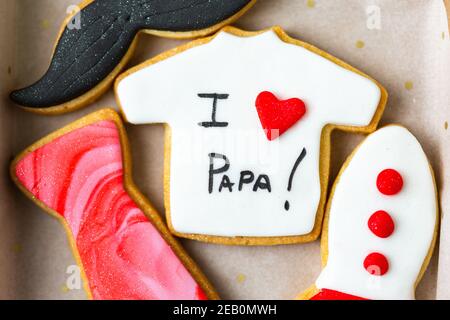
(277,116)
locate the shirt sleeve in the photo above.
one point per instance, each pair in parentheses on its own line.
(354,99)
(152,92)
(339,95)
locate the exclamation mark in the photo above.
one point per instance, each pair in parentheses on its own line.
(299,160)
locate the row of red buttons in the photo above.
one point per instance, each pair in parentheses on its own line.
(389,183)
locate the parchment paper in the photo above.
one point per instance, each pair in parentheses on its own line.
(408,54)
(8,258)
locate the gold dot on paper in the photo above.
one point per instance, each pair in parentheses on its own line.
(443,35)
(45,24)
(65,289)
(409,85)
(17,248)
(446,125)
(241,278)
(311,3)
(360,44)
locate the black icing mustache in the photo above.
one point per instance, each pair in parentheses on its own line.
(85,56)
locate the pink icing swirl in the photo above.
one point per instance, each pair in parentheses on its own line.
(80,176)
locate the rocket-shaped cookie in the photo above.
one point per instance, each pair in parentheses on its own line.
(381,220)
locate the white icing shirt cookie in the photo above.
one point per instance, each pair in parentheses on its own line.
(226,177)
(373,255)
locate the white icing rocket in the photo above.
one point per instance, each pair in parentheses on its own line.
(357,197)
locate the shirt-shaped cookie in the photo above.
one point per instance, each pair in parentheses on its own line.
(248,144)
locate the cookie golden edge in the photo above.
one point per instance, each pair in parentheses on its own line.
(100,89)
(313,290)
(142,202)
(325,143)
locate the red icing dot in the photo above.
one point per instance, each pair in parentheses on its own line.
(376,264)
(389,182)
(381,224)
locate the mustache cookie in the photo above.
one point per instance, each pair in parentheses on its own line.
(88,57)
(81,175)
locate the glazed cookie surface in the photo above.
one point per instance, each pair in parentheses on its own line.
(81,176)
(381,222)
(249,117)
(90,54)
